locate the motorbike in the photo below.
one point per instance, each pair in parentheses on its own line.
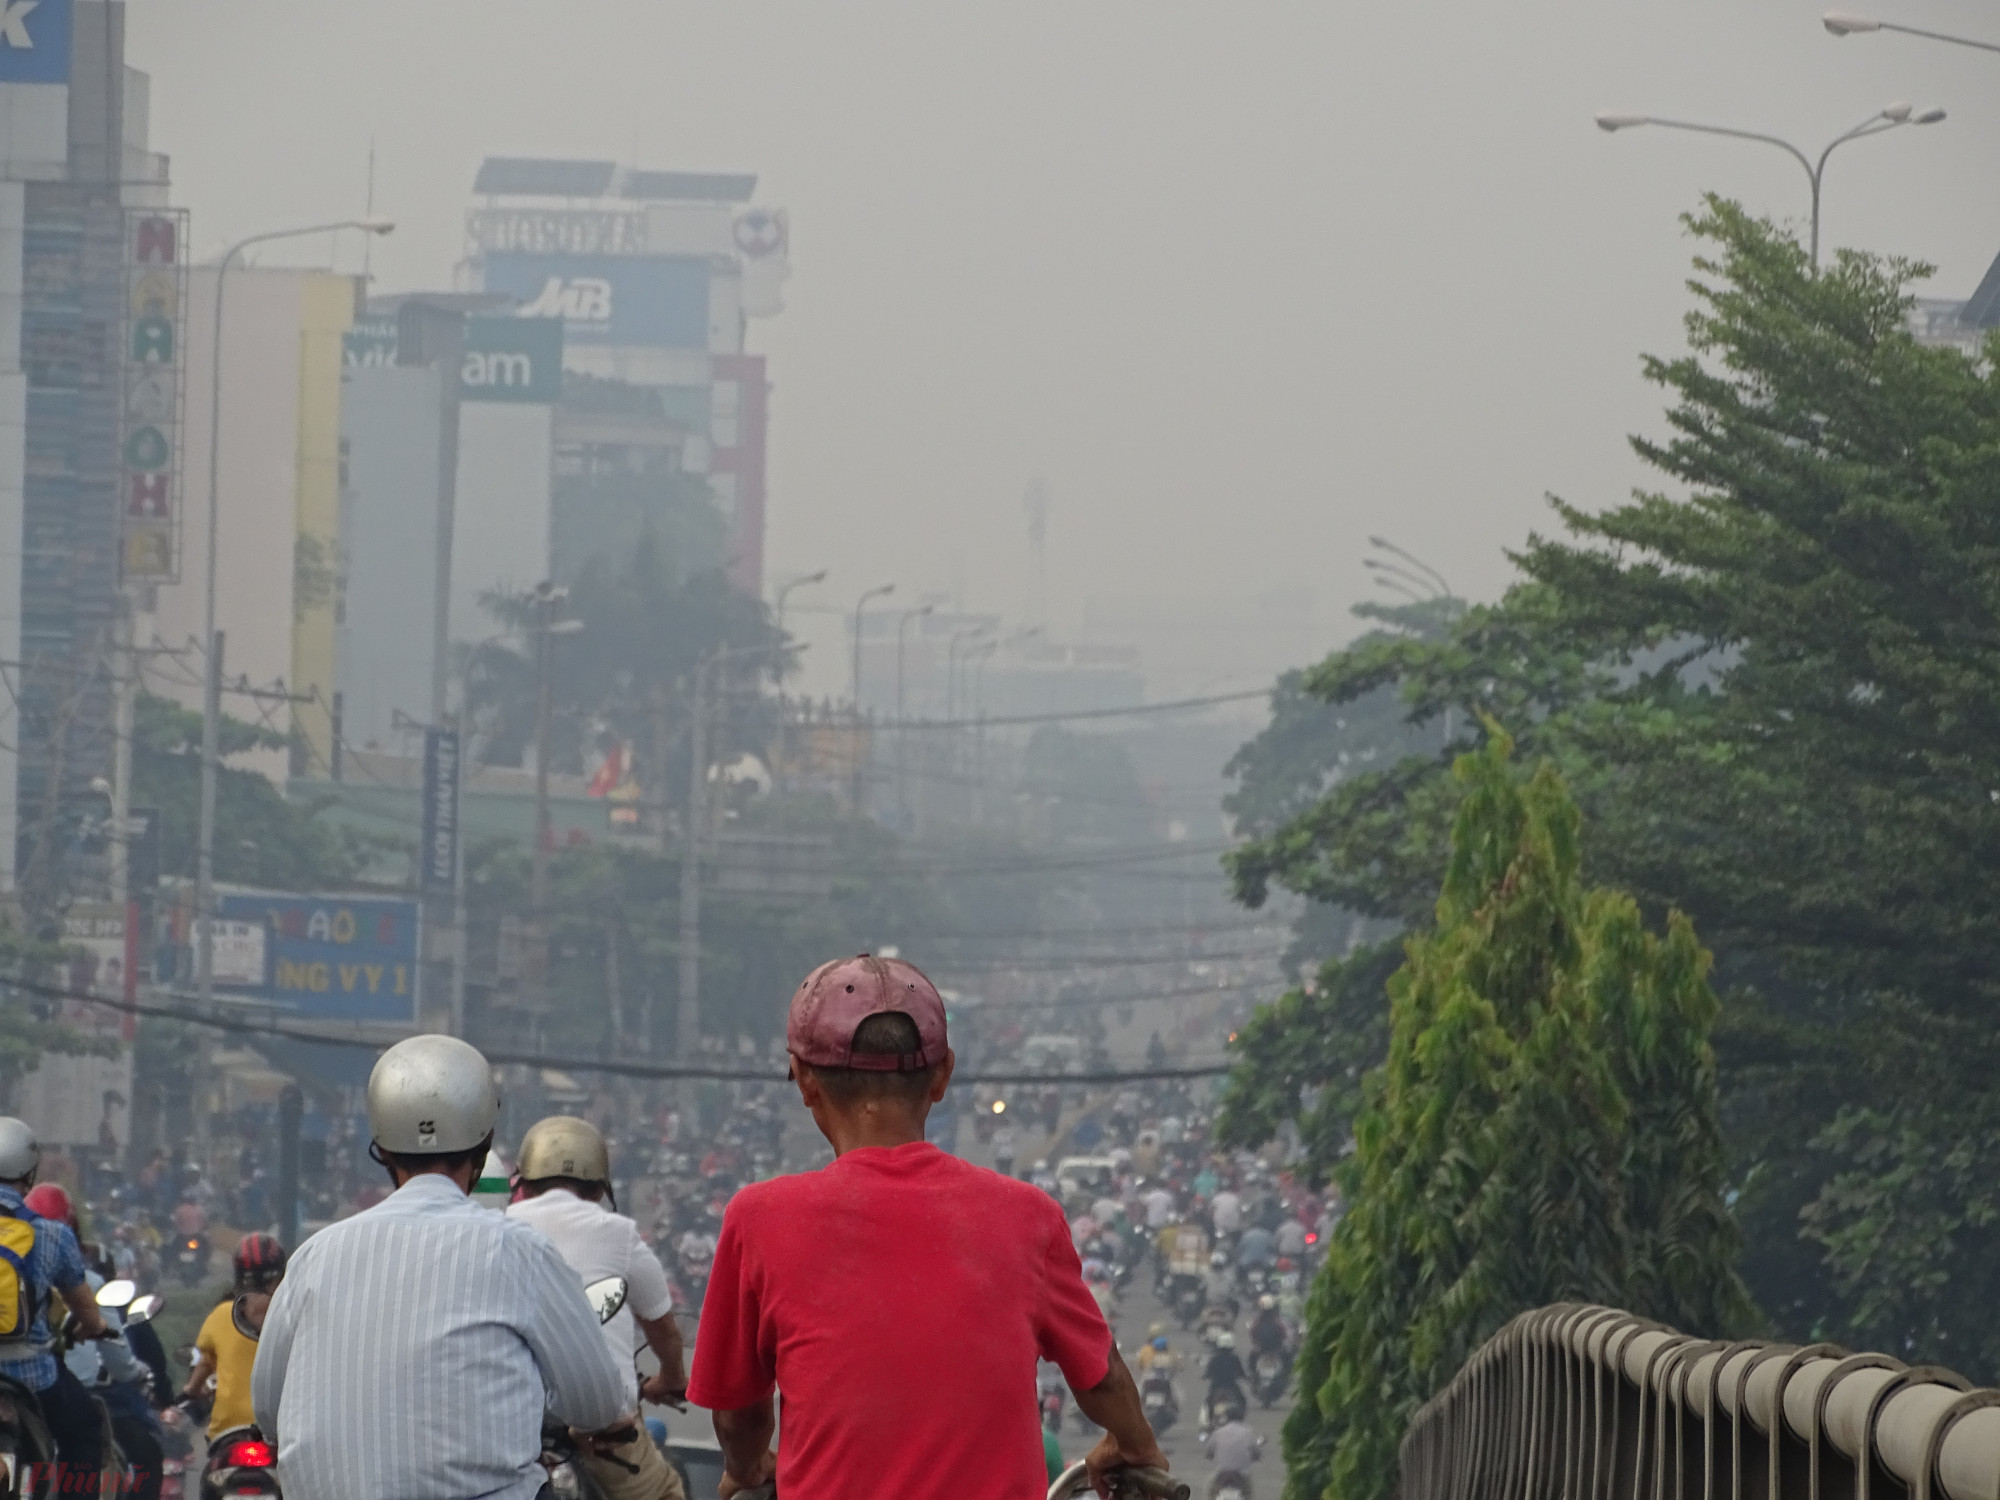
(1156,1395)
(1231,1486)
(191,1259)
(1221,1404)
(26,1448)
(1270,1373)
(1190,1297)
(569,1479)
(240,1461)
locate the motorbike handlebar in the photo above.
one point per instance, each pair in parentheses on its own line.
(1130,1484)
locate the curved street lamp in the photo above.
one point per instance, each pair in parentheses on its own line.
(1893,117)
(1846,23)
(859,605)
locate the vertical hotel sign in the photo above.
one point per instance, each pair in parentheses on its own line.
(154,379)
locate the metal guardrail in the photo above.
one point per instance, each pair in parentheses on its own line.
(1588,1403)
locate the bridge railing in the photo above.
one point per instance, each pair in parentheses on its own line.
(1589,1403)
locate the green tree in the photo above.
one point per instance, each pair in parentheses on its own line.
(1772,688)
(262,838)
(1544,1129)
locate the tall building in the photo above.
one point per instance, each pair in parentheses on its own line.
(654,276)
(90,402)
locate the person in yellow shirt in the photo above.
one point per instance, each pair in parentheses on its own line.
(225,1353)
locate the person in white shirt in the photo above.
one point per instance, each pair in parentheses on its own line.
(1225,1211)
(565,1174)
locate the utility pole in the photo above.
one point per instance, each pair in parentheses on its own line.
(124,693)
(547,598)
(902,730)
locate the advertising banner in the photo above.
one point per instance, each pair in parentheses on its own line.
(153,374)
(437,851)
(627,301)
(512,359)
(336,958)
(34,41)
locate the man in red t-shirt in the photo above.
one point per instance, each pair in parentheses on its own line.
(899,1298)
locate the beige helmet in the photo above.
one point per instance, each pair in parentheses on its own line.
(564,1146)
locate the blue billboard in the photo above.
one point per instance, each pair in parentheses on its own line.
(344,958)
(34,41)
(628,301)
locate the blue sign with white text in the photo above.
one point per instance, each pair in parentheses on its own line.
(34,41)
(346,958)
(630,301)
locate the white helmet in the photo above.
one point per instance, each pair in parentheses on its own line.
(20,1152)
(430,1095)
(1225,1341)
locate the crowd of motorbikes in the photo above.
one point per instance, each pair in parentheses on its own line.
(1225,1242)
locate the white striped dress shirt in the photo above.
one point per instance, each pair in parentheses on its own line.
(410,1351)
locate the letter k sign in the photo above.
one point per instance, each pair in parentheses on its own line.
(14,23)
(34,41)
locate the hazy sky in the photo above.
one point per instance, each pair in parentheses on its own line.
(1245,282)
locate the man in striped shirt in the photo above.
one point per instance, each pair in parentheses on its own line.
(411,1350)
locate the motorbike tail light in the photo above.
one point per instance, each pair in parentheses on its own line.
(1311,1238)
(194,1244)
(250,1454)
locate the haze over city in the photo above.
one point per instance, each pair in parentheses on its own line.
(1243,284)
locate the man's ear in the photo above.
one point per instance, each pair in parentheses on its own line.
(810,1093)
(943,1079)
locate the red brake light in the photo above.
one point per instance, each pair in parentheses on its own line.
(249,1454)
(1312,1239)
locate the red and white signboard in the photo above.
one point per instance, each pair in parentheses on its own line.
(153,377)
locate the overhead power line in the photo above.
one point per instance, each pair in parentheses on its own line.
(993,721)
(621,1067)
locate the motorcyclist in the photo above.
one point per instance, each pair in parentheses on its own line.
(1268,1334)
(224,1352)
(107,1368)
(565,1174)
(413,1348)
(1225,1374)
(1156,1353)
(1233,1447)
(51,1263)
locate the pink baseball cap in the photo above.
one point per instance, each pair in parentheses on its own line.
(838,996)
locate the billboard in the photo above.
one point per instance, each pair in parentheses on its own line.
(626,301)
(337,958)
(504,359)
(437,850)
(34,41)
(512,359)
(154,375)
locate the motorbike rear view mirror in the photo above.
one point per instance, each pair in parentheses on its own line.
(117,1293)
(606,1297)
(145,1309)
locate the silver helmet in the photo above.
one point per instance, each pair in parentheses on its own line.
(20,1152)
(430,1095)
(564,1146)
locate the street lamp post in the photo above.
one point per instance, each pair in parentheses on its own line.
(902,730)
(1883,120)
(785,592)
(211,698)
(971,632)
(1846,23)
(859,605)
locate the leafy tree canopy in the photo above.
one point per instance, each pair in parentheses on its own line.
(1544,1130)
(1772,687)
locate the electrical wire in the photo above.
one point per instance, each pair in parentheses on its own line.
(622,1067)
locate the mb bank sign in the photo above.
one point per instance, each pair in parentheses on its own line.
(34,41)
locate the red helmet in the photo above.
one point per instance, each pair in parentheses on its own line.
(260,1260)
(51,1202)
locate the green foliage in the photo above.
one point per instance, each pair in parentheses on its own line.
(1774,694)
(1544,1130)
(261,838)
